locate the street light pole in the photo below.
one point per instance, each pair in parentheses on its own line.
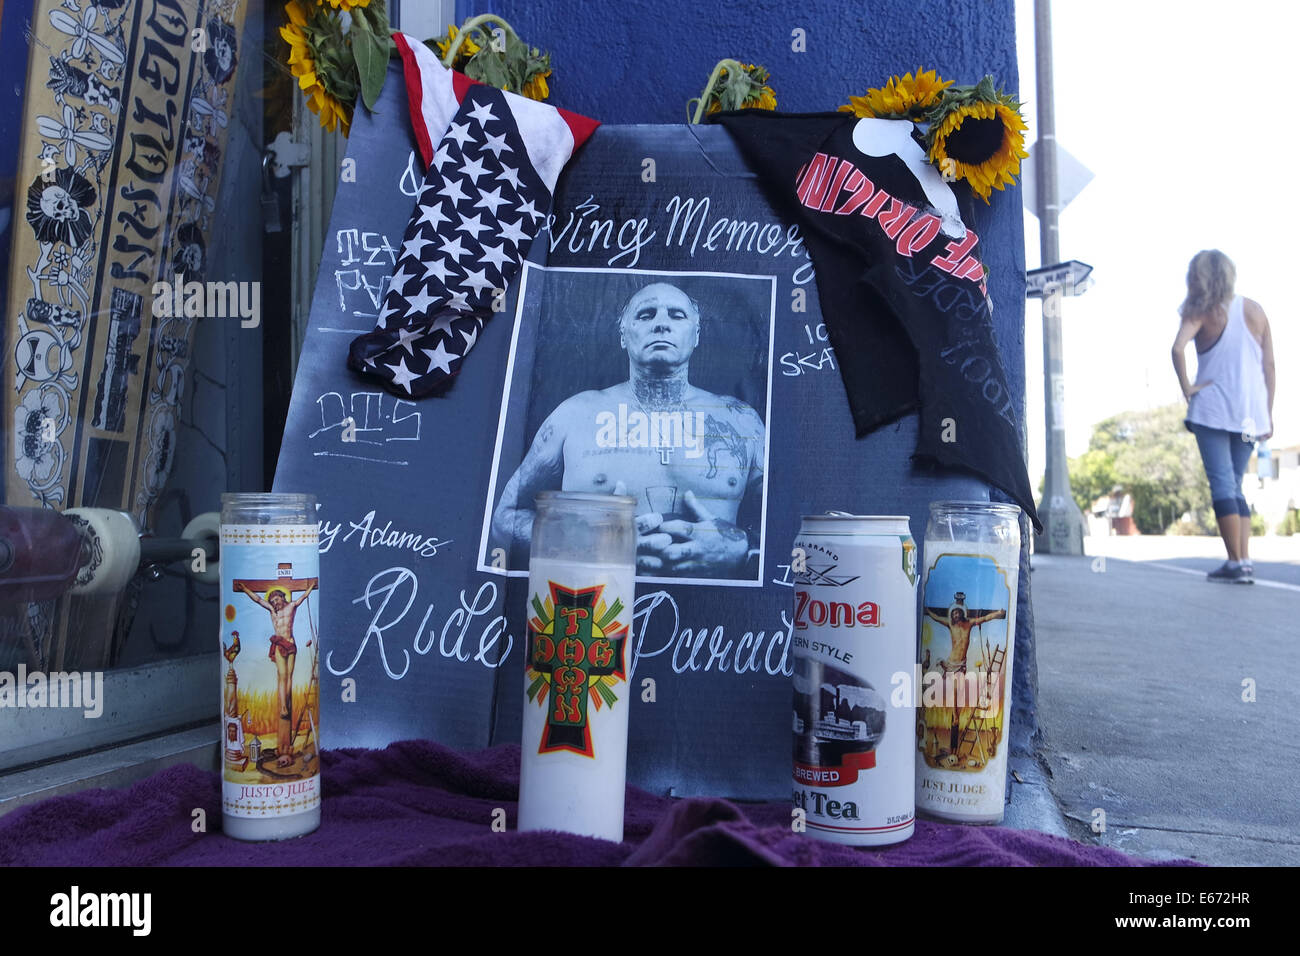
(1063,525)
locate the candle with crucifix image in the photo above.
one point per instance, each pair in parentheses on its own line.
(270,710)
(581,592)
(968,630)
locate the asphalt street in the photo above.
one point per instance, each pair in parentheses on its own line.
(1277,559)
(1152,743)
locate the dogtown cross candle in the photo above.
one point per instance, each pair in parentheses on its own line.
(968,634)
(581,595)
(270,703)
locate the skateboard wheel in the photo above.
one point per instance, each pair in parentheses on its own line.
(110,549)
(205,528)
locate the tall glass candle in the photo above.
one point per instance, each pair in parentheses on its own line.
(968,635)
(270,684)
(581,592)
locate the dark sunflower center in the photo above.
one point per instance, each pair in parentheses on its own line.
(975,141)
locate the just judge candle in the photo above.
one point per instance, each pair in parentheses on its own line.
(968,638)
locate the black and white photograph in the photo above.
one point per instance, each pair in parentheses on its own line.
(655,385)
(835,714)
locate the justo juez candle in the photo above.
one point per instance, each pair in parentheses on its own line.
(270,698)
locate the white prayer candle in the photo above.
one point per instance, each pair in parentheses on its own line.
(581,583)
(270,703)
(968,636)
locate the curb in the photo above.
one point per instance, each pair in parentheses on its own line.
(1032,806)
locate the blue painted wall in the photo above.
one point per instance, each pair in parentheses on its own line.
(628,62)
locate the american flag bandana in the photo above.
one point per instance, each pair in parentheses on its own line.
(486,192)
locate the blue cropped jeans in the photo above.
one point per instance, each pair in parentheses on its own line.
(1225,457)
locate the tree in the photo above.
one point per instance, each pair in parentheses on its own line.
(1092,475)
(1154,456)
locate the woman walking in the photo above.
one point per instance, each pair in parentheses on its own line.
(1230,406)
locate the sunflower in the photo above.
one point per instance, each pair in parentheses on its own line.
(463,53)
(901,98)
(344,4)
(748,91)
(303,38)
(498,58)
(766,100)
(978,135)
(536,88)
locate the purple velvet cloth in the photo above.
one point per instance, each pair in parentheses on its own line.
(416,803)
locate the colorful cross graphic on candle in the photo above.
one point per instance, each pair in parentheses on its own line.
(577,653)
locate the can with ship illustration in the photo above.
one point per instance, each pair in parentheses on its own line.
(854,633)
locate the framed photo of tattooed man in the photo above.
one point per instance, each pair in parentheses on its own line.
(655,385)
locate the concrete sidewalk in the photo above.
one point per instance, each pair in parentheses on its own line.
(1141,671)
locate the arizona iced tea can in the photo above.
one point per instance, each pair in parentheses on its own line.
(854,634)
(968,633)
(581,575)
(270,699)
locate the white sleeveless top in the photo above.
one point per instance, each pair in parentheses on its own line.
(1237,401)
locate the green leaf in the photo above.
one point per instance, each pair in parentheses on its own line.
(487,68)
(371,54)
(516,49)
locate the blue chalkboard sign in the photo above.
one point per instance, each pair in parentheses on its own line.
(424,511)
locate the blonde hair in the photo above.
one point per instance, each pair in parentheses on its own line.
(1210,280)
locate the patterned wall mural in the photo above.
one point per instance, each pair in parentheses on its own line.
(122,140)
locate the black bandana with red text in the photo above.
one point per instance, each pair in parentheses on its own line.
(903,293)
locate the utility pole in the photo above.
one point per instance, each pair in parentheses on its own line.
(1063,525)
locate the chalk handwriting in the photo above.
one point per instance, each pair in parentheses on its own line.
(372,257)
(705,649)
(584,230)
(375,244)
(390,595)
(370,534)
(379,417)
(803,363)
(784,580)
(583,233)
(411,182)
(733,235)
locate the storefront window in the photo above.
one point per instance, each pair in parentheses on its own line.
(162,210)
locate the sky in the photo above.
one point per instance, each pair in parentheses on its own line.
(1182,112)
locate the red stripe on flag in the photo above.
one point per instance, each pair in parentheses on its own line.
(460,84)
(415,96)
(580,127)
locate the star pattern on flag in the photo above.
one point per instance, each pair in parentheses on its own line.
(479,208)
(463,244)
